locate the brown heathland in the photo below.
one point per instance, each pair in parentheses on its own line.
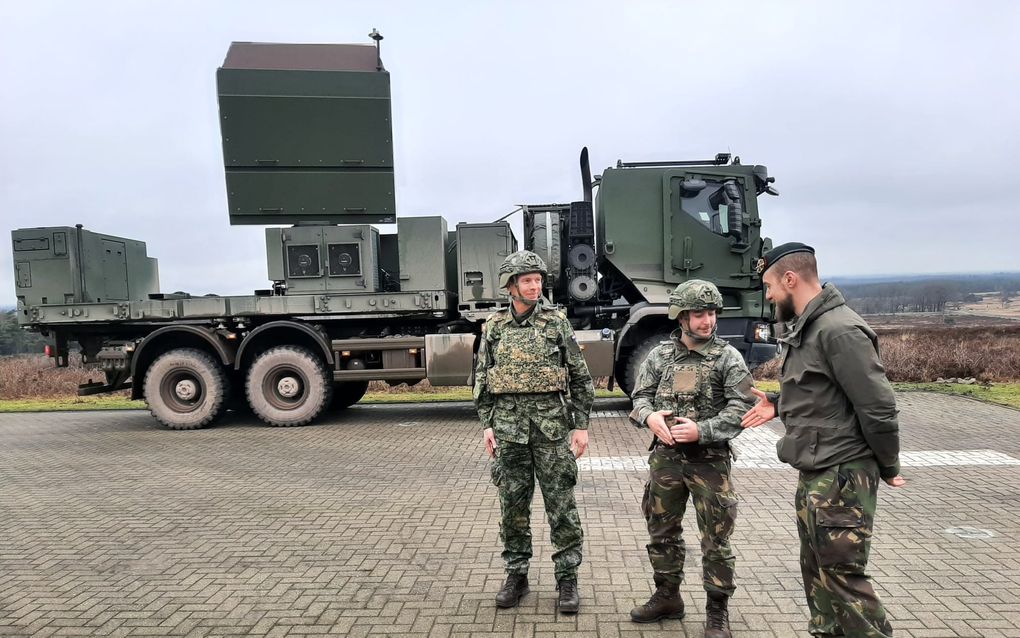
(920,354)
(925,354)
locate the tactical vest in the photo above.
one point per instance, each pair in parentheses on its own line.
(527,359)
(688,390)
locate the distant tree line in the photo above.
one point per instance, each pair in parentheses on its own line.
(927,294)
(14,340)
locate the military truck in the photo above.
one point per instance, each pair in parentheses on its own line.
(307,144)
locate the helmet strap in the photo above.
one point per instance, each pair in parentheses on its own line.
(698,338)
(523,300)
(695,337)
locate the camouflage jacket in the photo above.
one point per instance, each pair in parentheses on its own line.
(722,398)
(510,411)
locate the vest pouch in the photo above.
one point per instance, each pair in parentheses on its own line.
(685,380)
(526,379)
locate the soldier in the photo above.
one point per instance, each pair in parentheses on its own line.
(532,387)
(691,392)
(841,433)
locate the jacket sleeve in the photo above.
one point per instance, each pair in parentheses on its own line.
(643,394)
(484,401)
(736,384)
(582,389)
(858,370)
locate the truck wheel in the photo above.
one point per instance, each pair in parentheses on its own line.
(637,357)
(348,393)
(186,389)
(288,385)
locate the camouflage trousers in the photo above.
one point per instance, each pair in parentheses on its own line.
(835,515)
(673,478)
(514,472)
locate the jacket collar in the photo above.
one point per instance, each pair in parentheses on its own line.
(508,316)
(681,347)
(823,302)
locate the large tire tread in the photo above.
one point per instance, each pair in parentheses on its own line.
(201,365)
(348,393)
(319,386)
(637,357)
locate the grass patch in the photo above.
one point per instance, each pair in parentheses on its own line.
(1007,394)
(456,394)
(56,404)
(767,385)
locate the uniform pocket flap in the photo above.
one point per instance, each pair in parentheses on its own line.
(685,379)
(726,499)
(839,516)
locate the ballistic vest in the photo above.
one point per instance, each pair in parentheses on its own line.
(687,391)
(526,359)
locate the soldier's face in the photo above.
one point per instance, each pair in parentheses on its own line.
(528,285)
(700,322)
(776,292)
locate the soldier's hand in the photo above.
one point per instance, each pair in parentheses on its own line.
(896,481)
(762,412)
(685,431)
(490,442)
(656,422)
(579,443)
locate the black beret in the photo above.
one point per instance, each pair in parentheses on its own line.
(780,251)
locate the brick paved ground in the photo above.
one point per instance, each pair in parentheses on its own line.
(380,520)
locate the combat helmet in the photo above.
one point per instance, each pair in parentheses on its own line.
(694,294)
(521,262)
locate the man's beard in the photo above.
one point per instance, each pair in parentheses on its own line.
(784,310)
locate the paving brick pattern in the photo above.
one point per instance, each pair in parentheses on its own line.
(380,521)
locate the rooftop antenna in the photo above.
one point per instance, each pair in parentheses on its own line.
(375,35)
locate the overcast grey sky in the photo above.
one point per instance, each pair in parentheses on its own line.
(891,127)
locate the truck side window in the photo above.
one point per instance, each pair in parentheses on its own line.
(708,201)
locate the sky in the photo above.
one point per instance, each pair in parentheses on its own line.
(891,128)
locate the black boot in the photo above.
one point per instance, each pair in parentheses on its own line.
(717,616)
(664,603)
(569,601)
(515,587)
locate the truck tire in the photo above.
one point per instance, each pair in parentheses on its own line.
(637,357)
(347,394)
(288,385)
(186,389)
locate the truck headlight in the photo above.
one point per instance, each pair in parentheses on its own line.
(762,332)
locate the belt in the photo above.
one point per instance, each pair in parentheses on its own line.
(693,451)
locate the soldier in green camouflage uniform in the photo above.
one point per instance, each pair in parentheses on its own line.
(532,387)
(842,433)
(691,392)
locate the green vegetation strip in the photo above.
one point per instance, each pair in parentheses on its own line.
(1007,394)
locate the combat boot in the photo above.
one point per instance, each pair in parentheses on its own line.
(664,603)
(515,587)
(569,601)
(717,616)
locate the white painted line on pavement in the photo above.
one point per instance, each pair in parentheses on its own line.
(756,449)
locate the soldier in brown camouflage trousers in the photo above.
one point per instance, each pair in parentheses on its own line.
(532,387)
(842,433)
(691,392)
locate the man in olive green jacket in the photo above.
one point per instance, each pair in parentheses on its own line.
(841,433)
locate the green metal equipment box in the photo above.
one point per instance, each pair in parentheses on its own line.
(424,247)
(481,249)
(324,258)
(64,264)
(307,134)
